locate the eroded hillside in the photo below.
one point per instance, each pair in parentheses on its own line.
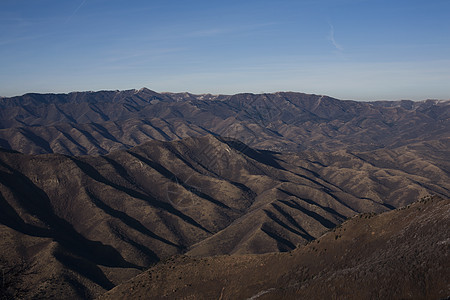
(81,225)
(401,254)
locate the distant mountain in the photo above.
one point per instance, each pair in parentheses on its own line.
(77,226)
(402,254)
(100,122)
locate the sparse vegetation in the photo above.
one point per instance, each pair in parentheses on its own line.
(90,222)
(321,270)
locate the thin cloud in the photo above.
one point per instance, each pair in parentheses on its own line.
(75,11)
(214,32)
(22,39)
(208,33)
(333,40)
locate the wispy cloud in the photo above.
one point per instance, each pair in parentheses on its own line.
(333,40)
(22,39)
(139,57)
(75,11)
(219,31)
(208,32)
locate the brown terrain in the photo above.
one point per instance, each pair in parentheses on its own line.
(75,226)
(100,122)
(401,254)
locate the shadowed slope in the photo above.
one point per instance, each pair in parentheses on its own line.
(88,223)
(394,255)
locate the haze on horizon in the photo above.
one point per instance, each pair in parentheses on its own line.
(348,49)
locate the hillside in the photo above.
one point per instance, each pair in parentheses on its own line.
(96,187)
(85,224)
(82,123)
(401,254)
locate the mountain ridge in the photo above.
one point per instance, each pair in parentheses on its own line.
(101,122)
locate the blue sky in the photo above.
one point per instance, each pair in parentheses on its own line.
(349,49)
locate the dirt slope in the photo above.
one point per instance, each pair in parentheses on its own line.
(401,254)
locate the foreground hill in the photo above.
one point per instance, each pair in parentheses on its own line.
(401,254)
(77,226)
(100,122)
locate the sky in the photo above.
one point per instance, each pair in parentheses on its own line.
(348,49)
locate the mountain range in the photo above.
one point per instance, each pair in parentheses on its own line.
(96,187)
(83,123)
